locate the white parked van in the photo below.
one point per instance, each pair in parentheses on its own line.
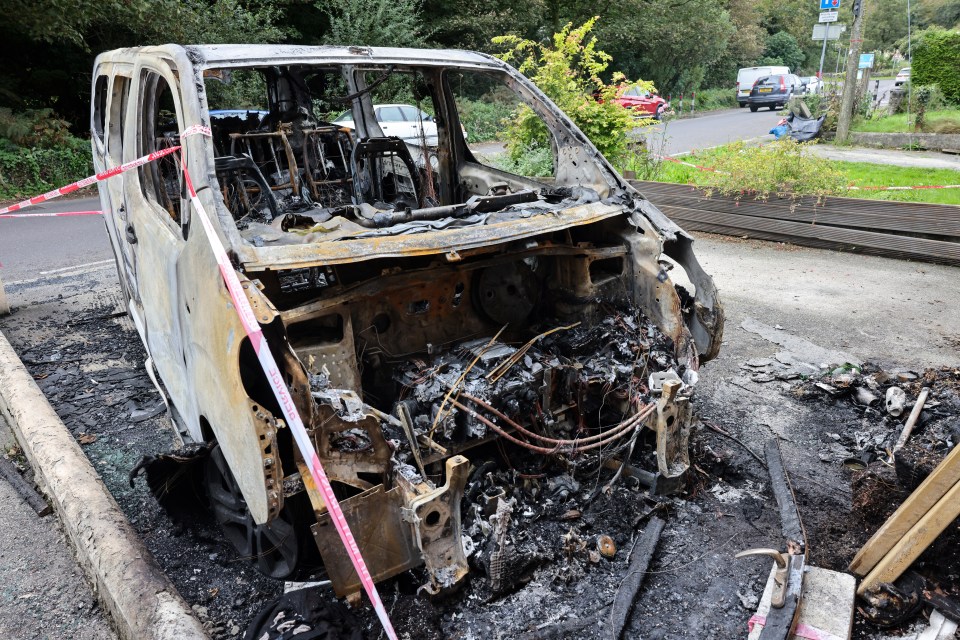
(748,75)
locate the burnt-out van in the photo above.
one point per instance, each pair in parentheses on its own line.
(434,312)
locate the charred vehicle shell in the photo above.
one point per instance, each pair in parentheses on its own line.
(424,304)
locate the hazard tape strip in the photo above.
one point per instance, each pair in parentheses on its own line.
(86,182)
(802,630)
(252,328)
(849,188)
(275,377)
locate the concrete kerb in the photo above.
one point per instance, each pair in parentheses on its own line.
(4,305)
(141,600)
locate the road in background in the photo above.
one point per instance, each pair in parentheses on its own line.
(715,128)
(31,246)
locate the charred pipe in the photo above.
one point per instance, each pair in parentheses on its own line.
(476,204)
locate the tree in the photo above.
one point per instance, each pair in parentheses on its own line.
(49,45)
(670,43)
(568,71)
(782,49)
(744,47)
(887,23)
(375,23)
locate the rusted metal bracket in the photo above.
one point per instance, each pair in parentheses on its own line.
(673,437)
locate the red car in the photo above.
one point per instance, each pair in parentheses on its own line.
(643,102)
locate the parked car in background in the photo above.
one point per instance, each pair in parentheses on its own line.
(401,120)
(902,77)
(811,84)
(773,91)
(644,103)
(748,75)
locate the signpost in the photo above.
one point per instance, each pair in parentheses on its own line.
(831,31)
(828,13)
(866,61)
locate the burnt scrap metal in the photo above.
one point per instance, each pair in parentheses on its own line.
(632,582)
(432,316)
(789,564)
(30,495)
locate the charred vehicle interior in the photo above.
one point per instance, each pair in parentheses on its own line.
(437,317)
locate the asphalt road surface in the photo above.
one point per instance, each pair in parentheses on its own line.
(715,128)
(36,247)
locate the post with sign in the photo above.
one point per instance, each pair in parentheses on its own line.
(828,14)
(850,77)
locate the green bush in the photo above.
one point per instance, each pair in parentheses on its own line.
(568,71)
(721,98)
(782,168)
(533,161)
(38,153)
(28,172)
(936,60)
(484,120)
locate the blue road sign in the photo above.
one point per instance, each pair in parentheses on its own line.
(829,5)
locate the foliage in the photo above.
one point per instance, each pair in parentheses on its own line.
(782,168)
(27,172)
(534,162)
(710,99)
(935,121)
(375,23)
(38,153)
(483,119)
(568,71)
(36,128)
(936,60)
(782,49)
(672,44)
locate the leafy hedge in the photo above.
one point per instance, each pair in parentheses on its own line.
(484,120)
(936,60)
(26,172)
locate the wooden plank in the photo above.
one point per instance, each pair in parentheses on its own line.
(921,248)
(915,541)
(917,504)
(907,218)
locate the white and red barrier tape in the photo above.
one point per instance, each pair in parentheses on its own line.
(849,188)
(86,182)
(252,328)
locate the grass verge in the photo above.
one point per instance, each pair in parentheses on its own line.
(942,121)
(861,174)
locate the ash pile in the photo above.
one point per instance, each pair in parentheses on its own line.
(574,392)
(884,401)
(554,424)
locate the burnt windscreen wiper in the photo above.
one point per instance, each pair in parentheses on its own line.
(476,204)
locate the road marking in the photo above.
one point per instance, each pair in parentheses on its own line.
(79,266)
(53,214)
(64,272)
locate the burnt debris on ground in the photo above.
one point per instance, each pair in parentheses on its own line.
(550,538)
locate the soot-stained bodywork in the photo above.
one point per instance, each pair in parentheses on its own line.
(422,304)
